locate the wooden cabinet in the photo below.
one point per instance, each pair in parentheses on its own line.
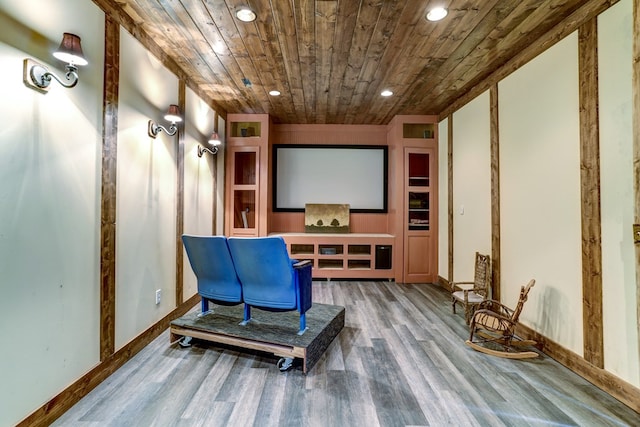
(419,237)
(340,256)
(246,175)
(413,144)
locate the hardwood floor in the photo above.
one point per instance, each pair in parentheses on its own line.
(399,361)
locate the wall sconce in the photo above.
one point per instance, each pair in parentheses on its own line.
(173,116)
(38,77)
(214,141)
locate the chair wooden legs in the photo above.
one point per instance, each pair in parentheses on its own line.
(469,309)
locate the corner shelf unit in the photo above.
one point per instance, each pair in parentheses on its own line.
(344,256)
(246,175)
(414,142)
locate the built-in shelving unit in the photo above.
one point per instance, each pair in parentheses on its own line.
(341,256)
(399,244)
(246,178)
(413,142)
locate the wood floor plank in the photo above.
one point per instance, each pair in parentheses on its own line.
(272,400)
(249,393)
(399,361)
(202,403)
(395,403)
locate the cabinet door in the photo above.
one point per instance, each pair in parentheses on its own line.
(244,187)
(419,211)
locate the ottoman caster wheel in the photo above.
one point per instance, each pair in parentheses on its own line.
(285,363)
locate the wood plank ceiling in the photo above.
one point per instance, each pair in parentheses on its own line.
(330,59)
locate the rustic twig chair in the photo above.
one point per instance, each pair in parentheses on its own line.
(470,294)
(492,329)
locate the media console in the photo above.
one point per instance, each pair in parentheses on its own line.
(344,256)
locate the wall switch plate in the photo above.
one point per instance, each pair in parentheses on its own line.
(158,296)
(636,233)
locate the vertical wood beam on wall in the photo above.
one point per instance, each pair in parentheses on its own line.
(214,175)
(182,101)
(108,195)
(590,194)
(495,193)
(450,192)
(636,143)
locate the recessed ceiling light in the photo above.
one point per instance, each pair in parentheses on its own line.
(245,14)
(386,93)
(274,92)
(437,13)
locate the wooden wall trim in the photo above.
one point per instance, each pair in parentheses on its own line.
(108,195)
(636,144)
(619,389)
(59,404)
(592,323)
(495,192)
(589,10)
(114,10)
(450,193)
(182,101)
(443,283)
(214,176)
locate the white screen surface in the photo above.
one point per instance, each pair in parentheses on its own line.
(345,175)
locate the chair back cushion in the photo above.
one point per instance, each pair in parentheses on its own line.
(265,271)
(211,262)
(482,275)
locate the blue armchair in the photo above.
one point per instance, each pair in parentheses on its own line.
(212,264)
(270,279)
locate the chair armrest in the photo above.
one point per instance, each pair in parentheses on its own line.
(457,285)
(490,305)
(302,264)
(304,285)
(494,314)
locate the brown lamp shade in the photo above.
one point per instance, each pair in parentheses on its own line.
(70,50)
(173,114)
(215,139)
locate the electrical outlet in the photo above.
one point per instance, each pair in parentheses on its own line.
(158,296)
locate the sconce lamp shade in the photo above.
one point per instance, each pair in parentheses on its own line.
(173,114)
(70,50)
(215,139)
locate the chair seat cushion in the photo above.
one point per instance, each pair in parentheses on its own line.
(490,322)
(472,297)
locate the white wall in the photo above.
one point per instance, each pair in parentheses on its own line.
(146,193)
(49,206)
(198,179)
(471,185)
(443,199)
(616,167)
(540,192)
